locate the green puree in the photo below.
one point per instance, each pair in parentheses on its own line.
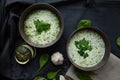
(41,26)
(82,46)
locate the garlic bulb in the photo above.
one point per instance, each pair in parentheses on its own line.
(57,58)
(61,77)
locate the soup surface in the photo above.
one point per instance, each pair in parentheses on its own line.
(42,27)
(86,48)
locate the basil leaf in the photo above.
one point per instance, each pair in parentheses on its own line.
(84,23)
(43,60)
(39,78)
(83,75)
(118,41)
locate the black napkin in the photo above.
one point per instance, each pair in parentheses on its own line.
(104,15)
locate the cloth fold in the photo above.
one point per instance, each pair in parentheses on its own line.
(110,71)
(72,11)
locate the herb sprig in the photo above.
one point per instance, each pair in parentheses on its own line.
(82,46)
(41,26)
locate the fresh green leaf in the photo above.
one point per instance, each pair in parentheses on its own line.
(118,41)
(54,79)
(41,26)
(82,75)
(52,75)
(84,23)
(82,46)
(39,78)
(43,60)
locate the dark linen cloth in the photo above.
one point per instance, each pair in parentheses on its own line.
(104,15)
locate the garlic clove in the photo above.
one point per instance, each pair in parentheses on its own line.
(57,58)
(61,77)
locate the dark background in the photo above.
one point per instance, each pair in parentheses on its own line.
(105,14)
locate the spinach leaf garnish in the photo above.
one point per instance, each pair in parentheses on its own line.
(83,23)
(43,60)
(52,75)
(39,78)
(118,41)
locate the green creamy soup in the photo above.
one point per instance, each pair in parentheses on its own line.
(86,48)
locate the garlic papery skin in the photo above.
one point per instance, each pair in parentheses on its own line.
(57,58)
(61,77)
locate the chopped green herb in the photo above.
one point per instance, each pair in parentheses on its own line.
(43,60)
(83,45)
(82,75)
(41,26)
(84,23)
(118,41)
